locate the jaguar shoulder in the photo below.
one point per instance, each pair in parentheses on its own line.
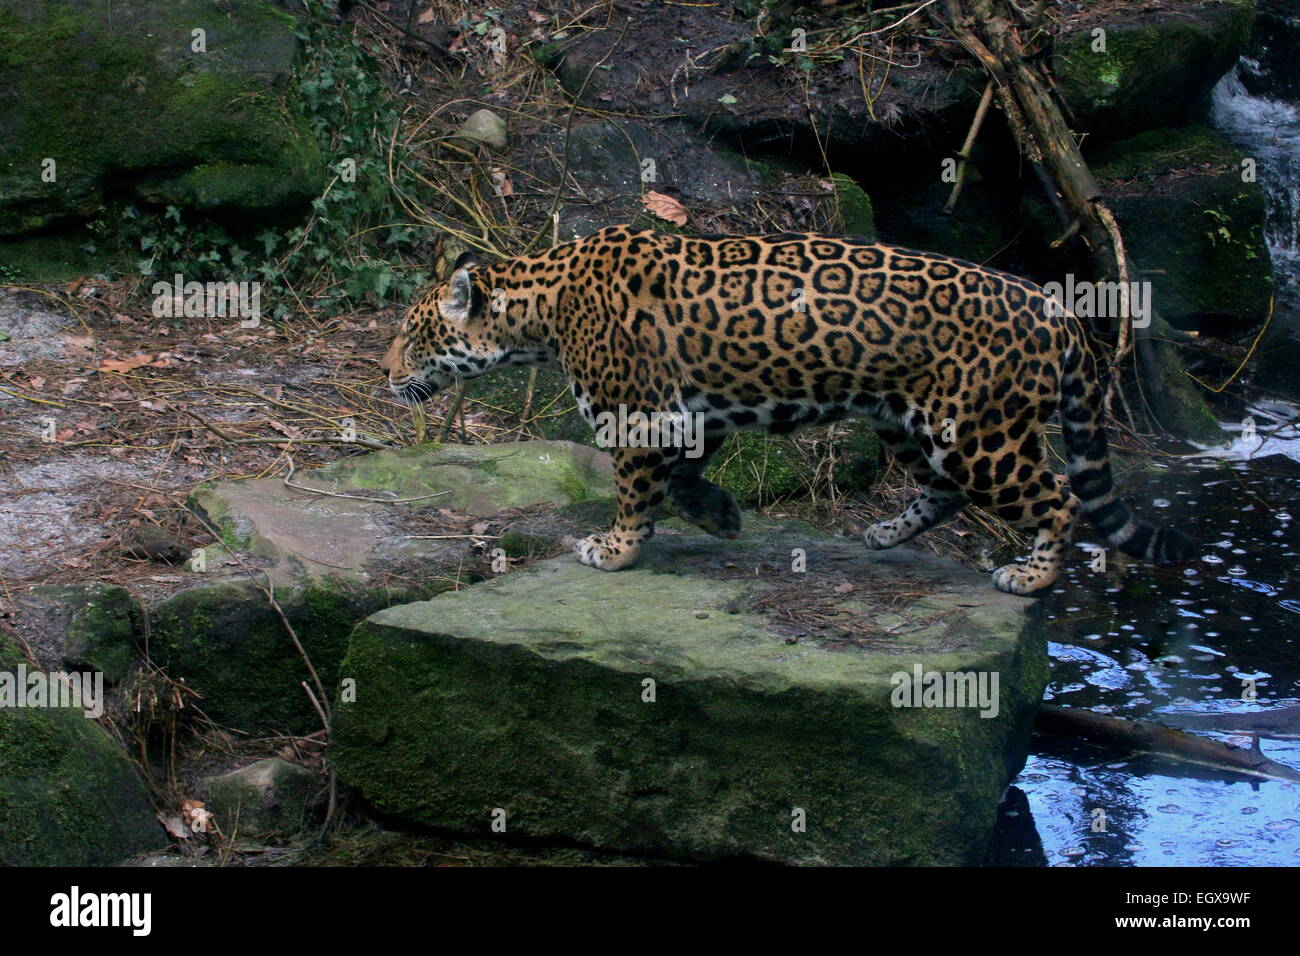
(958,367)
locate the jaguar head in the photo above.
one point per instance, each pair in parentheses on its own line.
(445,337)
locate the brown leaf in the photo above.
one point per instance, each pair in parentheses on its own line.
(502,182)
(128,364)
(175,826)
(665,207)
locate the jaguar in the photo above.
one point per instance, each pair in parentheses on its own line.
(956,366)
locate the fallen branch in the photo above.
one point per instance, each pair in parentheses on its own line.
(1157,739)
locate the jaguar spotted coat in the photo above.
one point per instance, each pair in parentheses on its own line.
(956,366)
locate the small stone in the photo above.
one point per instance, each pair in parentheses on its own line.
(701,614)
(154,544)
(484,127)
(269,798)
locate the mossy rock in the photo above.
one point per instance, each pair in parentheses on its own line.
(335,560)
(271,798)
(68,794)
(856,213)
(857,455)
(1192,227)
(123,102)
(524,699)
(228,644)
(81,626)
(1156,68)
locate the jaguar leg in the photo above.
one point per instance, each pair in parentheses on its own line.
(1043,505)
(699,501)
(939,500)
(641,475)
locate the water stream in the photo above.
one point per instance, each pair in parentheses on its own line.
(1219,638)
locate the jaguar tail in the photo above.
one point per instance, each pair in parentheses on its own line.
(1083,389)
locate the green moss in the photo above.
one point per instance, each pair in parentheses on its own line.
(1181,407)
(56,257)
(744,726)
(124,99)
(857,455)
(1191,226)
(230,646)
(758,468)
(68,794)
(1150,72)
(1154,152)
(857,216)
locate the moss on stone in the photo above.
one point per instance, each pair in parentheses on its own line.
(857,455)
(1152,71)
(68,794)
(758,468)
(125,101)
(1193,228)
(229,645)
(857,215)
(1181,408)
(542,714)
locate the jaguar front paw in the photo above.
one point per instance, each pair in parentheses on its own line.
(1023,579)
(609,551)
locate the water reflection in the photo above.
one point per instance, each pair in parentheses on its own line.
(1212,643)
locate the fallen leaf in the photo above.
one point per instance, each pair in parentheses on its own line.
(665,207)
(502,182)
(174,826)
(127,364)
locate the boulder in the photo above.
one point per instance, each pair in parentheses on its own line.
(708,69)
(68,794)
(81,626)
(694,65)
(1269,62)
(334,560)
(1193,227)
(486,127)
(712,703)
(125,102)
(1157,66)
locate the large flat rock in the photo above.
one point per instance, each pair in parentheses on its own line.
(333,532)
(772,695)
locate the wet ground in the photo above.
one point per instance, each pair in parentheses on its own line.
(1185,646)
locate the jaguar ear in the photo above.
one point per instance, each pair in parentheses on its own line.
(467,260)
(460,303)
